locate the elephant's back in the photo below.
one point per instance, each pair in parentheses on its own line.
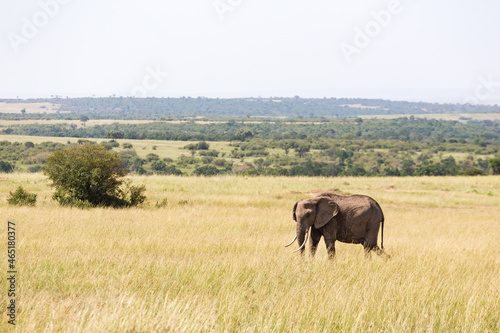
(357,206)
(360,213)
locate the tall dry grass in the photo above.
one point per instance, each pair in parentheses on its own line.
(213,259)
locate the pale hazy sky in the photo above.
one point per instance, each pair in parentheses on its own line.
(431,50)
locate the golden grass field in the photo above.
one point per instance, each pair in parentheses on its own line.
(52,108)
(162,148)
(213,259)
(28,107)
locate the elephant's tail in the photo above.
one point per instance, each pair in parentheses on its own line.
(382,229)
(382,234)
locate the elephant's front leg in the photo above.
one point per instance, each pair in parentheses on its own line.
(330,247)
(330,244)
(315,237)
(330,234)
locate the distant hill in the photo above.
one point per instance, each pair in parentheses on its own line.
(187,107)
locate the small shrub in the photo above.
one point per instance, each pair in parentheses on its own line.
(473,172)
(152,157)
(207,159)
(35,168)
(162,168)
(141,171)
(213,153)
(202,145)
(6,167)
(21,198)
(162,204)
(206,170)
(110,145)
(220,162)
(133,195)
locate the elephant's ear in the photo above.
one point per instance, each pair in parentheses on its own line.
(326,209)
(295,208)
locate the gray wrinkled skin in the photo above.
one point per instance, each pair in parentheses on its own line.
(350,219)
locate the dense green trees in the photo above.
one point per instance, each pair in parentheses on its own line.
(402,129)
(6,167)
(320,157)
(206,170)
(495,165)
(162,168)
(115,135)
(270,146)
(243,134)
(185,107)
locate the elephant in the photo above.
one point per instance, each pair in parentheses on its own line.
(348,219)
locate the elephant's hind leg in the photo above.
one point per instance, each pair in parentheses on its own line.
(370,247)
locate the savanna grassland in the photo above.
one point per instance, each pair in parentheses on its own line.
(212,259)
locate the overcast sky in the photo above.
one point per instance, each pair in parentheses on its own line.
(429,50)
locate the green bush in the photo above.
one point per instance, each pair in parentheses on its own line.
(473,172)
(152,157)
(6,167)
(21,198)
(110,145)
(212,153)
(198,146)
(88,175)
(495,165)
(206,170)
(132,195)
(161,204)
(162,168)
(35,168)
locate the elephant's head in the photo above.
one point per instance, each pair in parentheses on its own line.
(316,212)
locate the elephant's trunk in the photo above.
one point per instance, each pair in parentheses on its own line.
(301,240)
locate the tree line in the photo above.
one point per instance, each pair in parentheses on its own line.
(187,107)
(482,133)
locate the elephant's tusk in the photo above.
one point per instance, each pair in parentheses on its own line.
(305,241)
(291,242)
